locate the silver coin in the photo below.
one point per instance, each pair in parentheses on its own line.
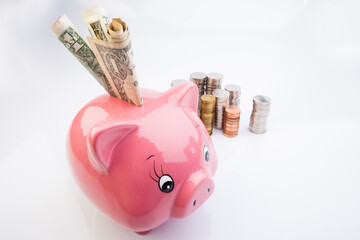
(213,81)
(221,102)
(215,76)
(219,93)
(262,100)
(257,131)
(261,110)
(198,77)
(234,94)
(232,88)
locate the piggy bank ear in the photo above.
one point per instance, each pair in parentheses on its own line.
(101,143)
(185,95)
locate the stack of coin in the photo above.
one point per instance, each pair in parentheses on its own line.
(231,121)
(213,82)
(199,78)
(235,92)
(261,109)
(177,82)
(220,104)
(207,111)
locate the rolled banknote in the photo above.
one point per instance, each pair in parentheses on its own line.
(68,35)
(118,31)
(97,22)
(117,61)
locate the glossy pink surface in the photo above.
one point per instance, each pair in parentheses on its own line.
(143,165)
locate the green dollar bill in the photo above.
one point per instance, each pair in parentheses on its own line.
(70,38)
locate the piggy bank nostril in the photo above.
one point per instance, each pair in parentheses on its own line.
(208,189)
(194,203)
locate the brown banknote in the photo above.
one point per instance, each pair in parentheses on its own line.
(117,61)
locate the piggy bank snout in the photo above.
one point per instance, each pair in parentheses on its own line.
(193,193)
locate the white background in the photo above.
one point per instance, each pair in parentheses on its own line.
(300,180)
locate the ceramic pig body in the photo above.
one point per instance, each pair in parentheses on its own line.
(143,165)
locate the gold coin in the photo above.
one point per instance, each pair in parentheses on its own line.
(208,98)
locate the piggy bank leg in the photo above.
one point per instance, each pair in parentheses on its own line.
(144,232)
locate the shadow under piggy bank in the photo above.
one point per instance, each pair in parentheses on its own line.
(196,226)
(142,166)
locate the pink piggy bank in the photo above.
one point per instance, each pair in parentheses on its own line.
(143,165)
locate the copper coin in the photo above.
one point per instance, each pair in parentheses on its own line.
(230,135)
(232,110)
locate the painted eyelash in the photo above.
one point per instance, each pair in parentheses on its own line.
(156,173)
(153,178)
(155,170)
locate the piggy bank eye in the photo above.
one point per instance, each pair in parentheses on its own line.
(206,153)
(166,183)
